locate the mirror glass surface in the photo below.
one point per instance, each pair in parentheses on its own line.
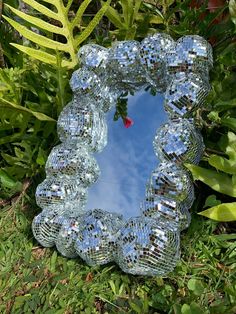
(128,159)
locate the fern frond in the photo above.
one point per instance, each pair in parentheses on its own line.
(48,48)
(37,22)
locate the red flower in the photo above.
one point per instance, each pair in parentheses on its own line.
(128,122)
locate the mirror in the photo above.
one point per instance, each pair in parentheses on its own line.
(128,159)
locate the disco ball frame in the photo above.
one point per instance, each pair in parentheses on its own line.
(148,244)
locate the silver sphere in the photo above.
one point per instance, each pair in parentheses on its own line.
(184,95)
(153,52)
(192,54)
(92,88)
(171,181)
(73,162)
(62,194)
(94,57)
(170,211)
(86,126)
(179,141)
(147,247)
(124,63)
(96,237)
(46,227)
(65,241)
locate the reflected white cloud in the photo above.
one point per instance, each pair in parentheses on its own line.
(128,159)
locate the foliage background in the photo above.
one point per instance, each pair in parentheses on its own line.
(32,94)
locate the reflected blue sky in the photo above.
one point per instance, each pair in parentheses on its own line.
(128,159)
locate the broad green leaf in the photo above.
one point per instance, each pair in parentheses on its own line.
(193,308)
(219,182)
(223,164)
(225,105)
(8,182)
(154,19)
(40,116)
(186,309)
(229,122)
(196,286)
(114,17)
(232,10)
(222,212)
(211,201)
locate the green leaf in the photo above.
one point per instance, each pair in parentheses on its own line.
(229,122)
(80,12)
(211,201)
(40,116)
(196,286)
(42,8)
(136,9)
(186,309)
(114,17)
(225,105)
(127,8)
(8,182)
(222,212)
(193,308)
(219,182)
(227,165)
(53,260)
(223,164)
(154,19)
(88,30)
(232,10)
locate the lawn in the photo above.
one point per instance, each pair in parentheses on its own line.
(38,280)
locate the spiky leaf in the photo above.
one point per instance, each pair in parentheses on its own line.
(222,212)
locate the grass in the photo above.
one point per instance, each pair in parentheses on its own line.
(38,280)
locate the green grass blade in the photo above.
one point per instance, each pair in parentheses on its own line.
(36,21)
(127,8)
(36,38)
(136,10)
